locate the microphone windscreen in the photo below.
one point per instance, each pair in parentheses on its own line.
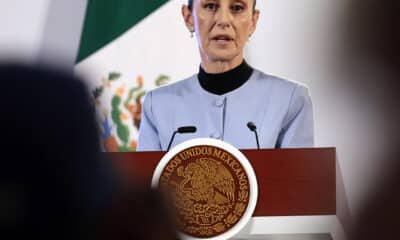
(251,126)
(187,129)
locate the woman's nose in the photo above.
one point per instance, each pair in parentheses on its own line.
(223,18)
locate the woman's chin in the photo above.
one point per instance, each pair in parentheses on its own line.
(222,57)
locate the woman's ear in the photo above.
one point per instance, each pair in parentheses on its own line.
(256,15)
(188,17)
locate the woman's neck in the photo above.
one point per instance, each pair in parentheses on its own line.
(221,83)
(220,66)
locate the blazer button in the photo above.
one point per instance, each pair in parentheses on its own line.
(219,103)
(216,135)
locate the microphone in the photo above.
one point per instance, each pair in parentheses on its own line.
(185,129)
(253,128)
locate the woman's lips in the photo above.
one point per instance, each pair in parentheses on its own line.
(222,38)
(222,41)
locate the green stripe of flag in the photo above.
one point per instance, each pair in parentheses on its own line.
(107,19)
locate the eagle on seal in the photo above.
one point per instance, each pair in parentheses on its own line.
(207,180)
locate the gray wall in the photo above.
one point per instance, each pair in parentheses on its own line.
(62,32)
(21,23)
(46,31)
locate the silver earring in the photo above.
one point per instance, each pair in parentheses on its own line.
(191,32)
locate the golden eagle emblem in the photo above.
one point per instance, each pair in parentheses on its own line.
(206,180)
(209,190)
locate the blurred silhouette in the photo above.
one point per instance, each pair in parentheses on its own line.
(379,217)
(54,181)
(373,31)
(139,216)
(372,48)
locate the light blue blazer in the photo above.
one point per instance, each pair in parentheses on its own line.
(281,110)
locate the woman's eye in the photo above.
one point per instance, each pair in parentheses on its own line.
(237,8)
(211,6)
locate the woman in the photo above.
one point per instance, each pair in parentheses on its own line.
(227,93)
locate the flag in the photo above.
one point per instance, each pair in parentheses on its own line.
(128,48)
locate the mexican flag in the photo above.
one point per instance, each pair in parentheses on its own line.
(128,48)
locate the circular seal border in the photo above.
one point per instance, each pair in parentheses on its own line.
(242,159)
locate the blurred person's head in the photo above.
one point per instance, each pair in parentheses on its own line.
(371,60)
(53,183)
(371,42)
(373,31)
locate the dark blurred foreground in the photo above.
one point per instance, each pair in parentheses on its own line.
(372,46)
(54,183)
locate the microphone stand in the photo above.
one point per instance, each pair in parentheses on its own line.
(185,129)
(172,139)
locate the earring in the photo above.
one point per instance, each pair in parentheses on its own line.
(191,32)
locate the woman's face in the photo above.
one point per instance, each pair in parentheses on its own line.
(222,27)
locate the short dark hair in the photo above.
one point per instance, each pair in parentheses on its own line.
(190,4)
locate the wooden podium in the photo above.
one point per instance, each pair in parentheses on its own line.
(297,191)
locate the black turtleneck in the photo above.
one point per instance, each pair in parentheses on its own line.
(221,83)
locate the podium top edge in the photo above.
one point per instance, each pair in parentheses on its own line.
(264,149)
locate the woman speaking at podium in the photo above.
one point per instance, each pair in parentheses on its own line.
(226,94)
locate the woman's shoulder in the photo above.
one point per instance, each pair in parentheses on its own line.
(268,79)
(285,91)
(278,86)
(184,86)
